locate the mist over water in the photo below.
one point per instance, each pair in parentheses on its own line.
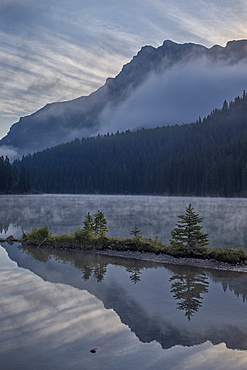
(224,219)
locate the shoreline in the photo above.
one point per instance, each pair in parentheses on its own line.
(160,258)
(166,259)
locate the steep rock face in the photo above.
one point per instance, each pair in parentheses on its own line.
(61,122)
(57,123)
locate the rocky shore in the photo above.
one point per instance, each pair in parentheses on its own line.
(159,258)
(166,259)
(10,239)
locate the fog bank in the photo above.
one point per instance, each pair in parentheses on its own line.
(179,95)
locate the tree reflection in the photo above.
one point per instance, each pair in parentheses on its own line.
(97,270)
(187,288)
(87,272)
(39,254)
(135,272)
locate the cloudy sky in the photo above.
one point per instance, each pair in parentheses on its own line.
(55,50)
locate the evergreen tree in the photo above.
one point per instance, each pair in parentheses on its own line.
(100,222)
(24,181)
(187,235)
(136,233)
(9,179)
(88,224)
(2,173)
(6,175)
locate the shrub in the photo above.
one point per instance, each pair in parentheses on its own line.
(82,235)
(37,234)
(63,241)
(228,255)
(180,251)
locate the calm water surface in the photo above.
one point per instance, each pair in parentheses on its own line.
(55,307)
(224,219)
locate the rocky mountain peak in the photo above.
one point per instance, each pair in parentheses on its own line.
(61,122)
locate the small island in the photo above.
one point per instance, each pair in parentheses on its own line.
(188,242)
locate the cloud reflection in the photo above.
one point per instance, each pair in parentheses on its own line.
(44,323)
(56,325)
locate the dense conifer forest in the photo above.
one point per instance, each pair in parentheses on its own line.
(205,158)
(11,179)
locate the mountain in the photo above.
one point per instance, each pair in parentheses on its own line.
(171,84)
(205,158)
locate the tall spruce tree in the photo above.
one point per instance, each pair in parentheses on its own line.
(100,222)
(24,181)
(88,224)
(6,175)
(187,235)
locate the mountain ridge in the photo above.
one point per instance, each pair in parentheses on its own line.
(204,158)
(60,122)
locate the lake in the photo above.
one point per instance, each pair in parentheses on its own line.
(224,219)
(58,305)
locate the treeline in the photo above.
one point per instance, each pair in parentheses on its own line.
(205,158)
(13,180)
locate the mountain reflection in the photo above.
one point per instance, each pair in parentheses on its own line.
(187,288)
(140,292)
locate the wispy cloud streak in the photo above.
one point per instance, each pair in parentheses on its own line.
(54,51)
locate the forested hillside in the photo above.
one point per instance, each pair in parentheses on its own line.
(208,157)
(12,180)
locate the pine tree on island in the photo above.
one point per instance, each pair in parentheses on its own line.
(136,233)
(187,235)
(88,224)
(100,222)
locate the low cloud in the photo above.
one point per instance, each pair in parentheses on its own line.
(9,151)
(179,95)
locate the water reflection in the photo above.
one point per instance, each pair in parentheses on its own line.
(148,307)
(187,288)
(39,254)
(47,325)
(135,274)
(91,266)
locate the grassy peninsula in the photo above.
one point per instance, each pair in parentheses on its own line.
(187,240)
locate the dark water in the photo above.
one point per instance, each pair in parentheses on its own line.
(56,306)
